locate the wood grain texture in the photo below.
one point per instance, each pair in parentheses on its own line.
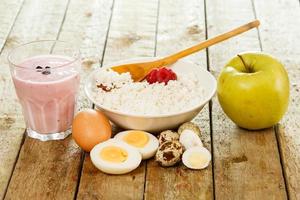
(86,26)
(45,170)
(180,25)
(25,29)
(9,11)
(132,34)
(247,164)
(51,169)
(280,37)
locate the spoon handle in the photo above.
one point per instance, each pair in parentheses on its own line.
(207,43)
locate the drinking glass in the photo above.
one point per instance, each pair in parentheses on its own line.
(46,78)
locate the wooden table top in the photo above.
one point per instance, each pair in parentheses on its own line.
(246,165)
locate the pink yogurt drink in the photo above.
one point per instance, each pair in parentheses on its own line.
(47,87)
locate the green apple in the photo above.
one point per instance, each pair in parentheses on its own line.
(253,90)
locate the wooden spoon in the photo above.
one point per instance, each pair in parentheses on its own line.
(139,71)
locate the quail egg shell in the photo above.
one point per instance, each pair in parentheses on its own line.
(169,153)
(189,138)
(196,158)
(167,135)
(190,126)
(144,142)
(115,157)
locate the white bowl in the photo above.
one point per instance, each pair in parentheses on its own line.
(160,122)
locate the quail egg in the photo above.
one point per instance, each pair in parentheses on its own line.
(169,153)
(167,135)
(189,138)
(190,126)
(196,158)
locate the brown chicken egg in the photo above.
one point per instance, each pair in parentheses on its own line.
(90,127)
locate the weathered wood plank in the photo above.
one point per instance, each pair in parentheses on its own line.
(9,11)
(51,169)
(280,37)
(180,25)
(247,164)
(132,34)
(88,30)
(11,120)
(45,171)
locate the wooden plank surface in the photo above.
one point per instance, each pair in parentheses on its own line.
(9,11)
(247,164)
(280,36)
(24,30)
(180,25)
(45,171)
(132,34)
(51,169)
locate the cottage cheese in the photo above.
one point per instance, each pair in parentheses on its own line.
(141,98)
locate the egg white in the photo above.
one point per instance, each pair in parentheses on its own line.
(148,150)
(203,151)
(132,162)
(189,139)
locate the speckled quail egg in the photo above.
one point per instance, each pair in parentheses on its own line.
(168,135)
(169,153)
(115,157)
(190,126)
(196,158)
(189,138)
(146,143)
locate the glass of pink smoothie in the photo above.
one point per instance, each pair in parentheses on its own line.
(46,78)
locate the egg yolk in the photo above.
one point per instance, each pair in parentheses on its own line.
(136,138)
(197,159)
(114,154)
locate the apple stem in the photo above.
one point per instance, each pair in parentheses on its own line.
(248,68)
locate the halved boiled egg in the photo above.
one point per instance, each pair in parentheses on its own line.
(115,157)
(146,143)
(196,158)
